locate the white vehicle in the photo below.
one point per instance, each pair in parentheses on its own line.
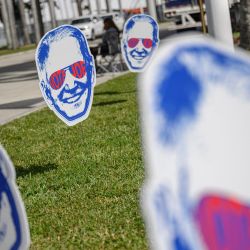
(182,14)
(92,26)
(117,18)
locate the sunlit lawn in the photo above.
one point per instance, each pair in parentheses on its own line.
(6,51)
(81,184)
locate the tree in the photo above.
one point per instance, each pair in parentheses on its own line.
(98,6)
(5,19)
(23,21)
(245,24)
(89,7)
(79,7)
(120,6)
(52,13)
(108,5)
(10,23)
(37,19)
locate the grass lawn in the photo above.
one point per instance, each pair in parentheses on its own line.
(81,184)
(6,51)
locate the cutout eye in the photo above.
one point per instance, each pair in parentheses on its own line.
(56,80)
(148,43)
(132,42)
(78,69)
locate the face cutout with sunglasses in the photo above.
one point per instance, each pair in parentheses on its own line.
(68,78)
(140,39)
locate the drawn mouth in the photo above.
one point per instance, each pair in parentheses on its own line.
(138,56)
(70,96)
(73,98)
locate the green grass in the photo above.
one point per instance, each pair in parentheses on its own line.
(236,38)
(6,51)
(81,184)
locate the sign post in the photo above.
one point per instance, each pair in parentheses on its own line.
(203,21)
(152,8)
(219,22)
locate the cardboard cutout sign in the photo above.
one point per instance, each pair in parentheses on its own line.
(66,72)
(14,229)
(139,42)
(195,102)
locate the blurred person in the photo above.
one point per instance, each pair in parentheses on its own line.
(110,40)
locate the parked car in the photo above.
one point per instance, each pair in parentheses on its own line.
(91,26)
(117,18)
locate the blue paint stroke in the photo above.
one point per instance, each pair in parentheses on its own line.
(5,189)
(178,95)
(167,218)
(178,92)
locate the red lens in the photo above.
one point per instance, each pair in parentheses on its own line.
(56,80)
(132,42)
(78,69)
(148,43)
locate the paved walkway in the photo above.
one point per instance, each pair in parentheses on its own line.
(19,89)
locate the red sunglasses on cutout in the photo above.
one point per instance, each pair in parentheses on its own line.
(147,42)
(76,69)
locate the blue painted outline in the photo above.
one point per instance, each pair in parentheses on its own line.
(5,188)
(17,211)
(178,92)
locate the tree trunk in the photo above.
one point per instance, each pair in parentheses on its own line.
(245,24)
(24,23)
(38,25)
(12,23)
(79,7)
(120,6)
(89,7)
(98,6)
(52,13)
(40,18)
(4,12)
(108,5)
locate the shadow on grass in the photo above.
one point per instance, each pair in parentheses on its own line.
(113,92)
(34,169)
(108,103)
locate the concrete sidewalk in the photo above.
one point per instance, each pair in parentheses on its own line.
(19,86)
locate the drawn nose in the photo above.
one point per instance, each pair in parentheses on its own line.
(140,46)
(69,81)
(70,85)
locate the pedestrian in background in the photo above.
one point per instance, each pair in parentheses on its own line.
(111,38)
